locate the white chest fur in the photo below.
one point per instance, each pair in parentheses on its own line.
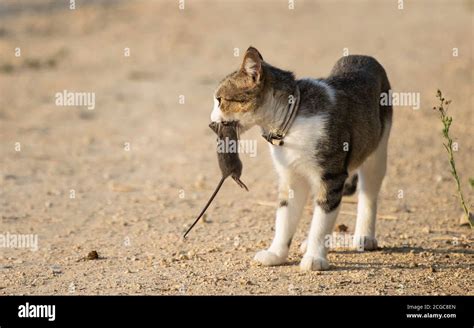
(298,154)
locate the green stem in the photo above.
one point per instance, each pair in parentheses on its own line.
(449,148)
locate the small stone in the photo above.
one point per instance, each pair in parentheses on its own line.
(426,229)
(182,256)
(464,219)
(292,290)
(182,289)
(93,255)
(245,282)
(205,218)
(200,181)
(236,241)
(56,270)
(341,228)
(71,287)
(212,250)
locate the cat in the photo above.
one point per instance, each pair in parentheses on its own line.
(325,136)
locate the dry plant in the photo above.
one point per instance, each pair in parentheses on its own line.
(442,108)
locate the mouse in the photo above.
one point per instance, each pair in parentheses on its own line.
(229,162)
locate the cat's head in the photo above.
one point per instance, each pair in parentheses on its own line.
(239,95)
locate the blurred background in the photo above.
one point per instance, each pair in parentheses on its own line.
(158,100)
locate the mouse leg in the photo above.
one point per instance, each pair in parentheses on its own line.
(293,192)
(240,183)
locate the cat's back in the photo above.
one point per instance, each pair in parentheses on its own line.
(357,64)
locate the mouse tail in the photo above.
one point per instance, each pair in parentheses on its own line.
(206,206)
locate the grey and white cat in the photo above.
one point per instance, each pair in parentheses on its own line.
(338,138)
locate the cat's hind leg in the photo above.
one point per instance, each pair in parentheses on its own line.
(371,174)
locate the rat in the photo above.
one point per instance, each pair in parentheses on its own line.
(229,162)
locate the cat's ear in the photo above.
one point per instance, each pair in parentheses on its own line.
(252,64)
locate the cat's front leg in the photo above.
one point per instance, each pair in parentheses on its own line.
(293,192)
(325,213)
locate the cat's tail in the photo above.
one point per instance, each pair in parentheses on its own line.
(350,186)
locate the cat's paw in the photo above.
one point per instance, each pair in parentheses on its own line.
(269,258)
(365,243)
(304,246)
(312,263)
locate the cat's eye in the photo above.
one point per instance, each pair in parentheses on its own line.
(218,100)
(235,100)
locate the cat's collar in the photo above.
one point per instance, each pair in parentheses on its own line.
(276,136)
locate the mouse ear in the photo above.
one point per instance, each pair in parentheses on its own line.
(214,126)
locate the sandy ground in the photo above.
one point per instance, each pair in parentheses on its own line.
(132,206)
